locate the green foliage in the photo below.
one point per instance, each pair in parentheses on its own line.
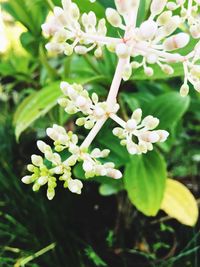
(145,178)
(31,83)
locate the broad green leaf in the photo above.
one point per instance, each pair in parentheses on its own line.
(169,108)
(179,203)
(145,178)
(39,103)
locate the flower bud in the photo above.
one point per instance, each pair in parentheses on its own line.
(42,180)
(157,6)
(81,101)
(184,90)
(75,186)
(163,135)
(75,12)
(167,69)
(50,194)
(98,52)
(37,160)
(171,6)
(68,49)
(131,125)
(27,179)
(54,48)
(122,50)
(148,29)
(177,41)
(81,50)
(113,17)
(150,122)
(127,72)
(148,71)
(171,25)
(195,31)
(88,166)
(137,115)
(164,18)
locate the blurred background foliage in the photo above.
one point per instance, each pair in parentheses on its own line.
(101,227)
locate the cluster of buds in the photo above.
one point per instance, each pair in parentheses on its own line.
(156,41)
(142,130)
(77,99)
(52,167)
(73,32)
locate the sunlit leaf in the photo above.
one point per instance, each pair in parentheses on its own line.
(179,203)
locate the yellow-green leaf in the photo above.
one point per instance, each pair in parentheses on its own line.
(179,203)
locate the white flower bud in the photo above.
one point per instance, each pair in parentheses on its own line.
(149,71)
(131,125)
(98,52)
(157,6)
(52,134)
(137,115)
(127,72)
(113,17)
(164,18)
(50,194)
(43,147)
(167,69)
(115,174)
(28,179)
(177,41)
(62,102)
(122,50)
(132,148)
(148,29)
(42,180)
(123,7)
(171,6)
(75,186)
(92,20)
(171,25)
(195,31)
(150,122)
(153,137)
(81,50)
(54,47)
(99,112)
(36,187)
(184,90)
(68,49)
(81,101)
(37,160)
(163,135)
(88,166)
(75,12)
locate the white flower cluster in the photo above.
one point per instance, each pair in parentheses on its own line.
(73,32)
(47,170)
(154,39)
(143,132)
(77,99)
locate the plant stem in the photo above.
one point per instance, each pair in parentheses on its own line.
(116,82)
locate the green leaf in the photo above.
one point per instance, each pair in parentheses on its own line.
(39,103)
(145,178)
(169,108)
(158,73)
(110,189)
